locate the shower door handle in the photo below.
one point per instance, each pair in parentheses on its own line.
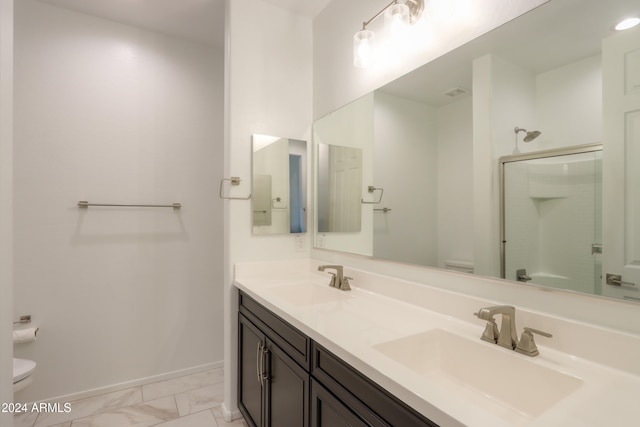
(616,280)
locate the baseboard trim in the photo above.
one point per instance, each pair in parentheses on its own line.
(229,415)
(134,383)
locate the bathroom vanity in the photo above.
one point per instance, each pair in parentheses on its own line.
(392,352)
(285,379)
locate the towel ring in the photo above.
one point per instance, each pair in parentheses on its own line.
(235,180)
(371,189)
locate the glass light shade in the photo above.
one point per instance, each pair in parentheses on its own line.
(397,20)
(628,23)
(363,48)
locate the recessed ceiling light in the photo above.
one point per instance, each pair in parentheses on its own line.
(627,23)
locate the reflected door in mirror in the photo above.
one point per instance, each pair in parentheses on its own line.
(339,188)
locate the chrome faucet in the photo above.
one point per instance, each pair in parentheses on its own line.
(338,280)
(507,336)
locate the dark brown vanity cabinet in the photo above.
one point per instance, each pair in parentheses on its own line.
(356,393)
(273,387)
(287,380)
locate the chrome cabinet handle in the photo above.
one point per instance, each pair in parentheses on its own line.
(616,280)
(258,362)
(263,374)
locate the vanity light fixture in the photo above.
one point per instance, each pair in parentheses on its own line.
(627,23)
(399,15)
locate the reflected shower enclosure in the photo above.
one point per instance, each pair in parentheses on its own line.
(551,218)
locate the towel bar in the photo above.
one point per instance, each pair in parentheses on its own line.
(85,204)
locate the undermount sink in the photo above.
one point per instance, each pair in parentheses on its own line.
(307,294)
(505,383)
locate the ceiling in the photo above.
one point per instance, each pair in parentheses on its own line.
(196,20)
(543,39)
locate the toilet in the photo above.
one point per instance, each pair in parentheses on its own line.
(22,373)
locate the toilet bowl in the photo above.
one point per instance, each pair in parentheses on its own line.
(22,373)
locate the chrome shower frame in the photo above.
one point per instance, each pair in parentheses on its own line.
(577,149)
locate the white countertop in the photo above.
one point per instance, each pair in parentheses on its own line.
(351,324)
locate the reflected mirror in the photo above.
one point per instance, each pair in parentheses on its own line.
(432,141)
(279,196)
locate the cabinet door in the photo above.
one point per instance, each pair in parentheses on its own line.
(251,342)
(328,411)
(287,390)
(373,404)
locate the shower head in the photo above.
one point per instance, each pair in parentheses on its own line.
(530,136)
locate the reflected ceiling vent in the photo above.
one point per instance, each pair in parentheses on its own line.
(456,91)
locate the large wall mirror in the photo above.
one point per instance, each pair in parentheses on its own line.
(431,142)
(279,196)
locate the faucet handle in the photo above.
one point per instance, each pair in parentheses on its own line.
(536,331)
(527,345)
(332,282)
(491,333)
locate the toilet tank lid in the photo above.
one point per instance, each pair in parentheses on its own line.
(22,368)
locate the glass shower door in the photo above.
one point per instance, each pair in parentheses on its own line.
(551,219)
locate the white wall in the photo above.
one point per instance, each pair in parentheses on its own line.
(6,205)
(569,104)
(428,222)
(455,181)
(113,114)
(513,103)
(405,138)
(268,91)
(504,97)
(565,104)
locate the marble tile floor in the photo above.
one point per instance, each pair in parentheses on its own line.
(189,401)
